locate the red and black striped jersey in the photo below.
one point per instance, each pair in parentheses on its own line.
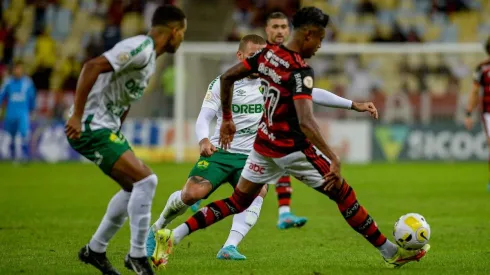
(285,76)
(482,78)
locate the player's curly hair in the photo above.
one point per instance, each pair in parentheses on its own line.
(167,14)
(310,16)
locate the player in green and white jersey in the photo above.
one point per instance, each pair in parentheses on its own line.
(217,166)
(107,86)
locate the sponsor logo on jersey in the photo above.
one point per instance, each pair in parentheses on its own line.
(241,92)
(135,91)
(248,131)
(115,109)
(270,72)
(202,165)
(247,108)
(263,129)
(276,60)
(256,168)
(141,47)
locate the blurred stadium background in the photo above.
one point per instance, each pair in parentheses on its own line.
(413,58)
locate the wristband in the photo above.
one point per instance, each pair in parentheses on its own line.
(227,116)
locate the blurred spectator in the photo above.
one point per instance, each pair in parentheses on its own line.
(366,7)
(116,11)
(111,35)
(40,16)
(45,60)
(8,41)
(413,36)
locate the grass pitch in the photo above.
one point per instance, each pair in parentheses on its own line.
(47,212)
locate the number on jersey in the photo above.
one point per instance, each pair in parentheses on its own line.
(271,98)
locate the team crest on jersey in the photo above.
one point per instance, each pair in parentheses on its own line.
(261,89)
(116,138)
(308,82)
(123,57)
(208,96)
(202,165)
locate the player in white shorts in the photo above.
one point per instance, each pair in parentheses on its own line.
(217,166)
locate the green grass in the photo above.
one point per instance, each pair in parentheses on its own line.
(47,212)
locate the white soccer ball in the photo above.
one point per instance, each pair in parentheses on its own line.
(411,231)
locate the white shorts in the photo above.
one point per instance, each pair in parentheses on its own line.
(486,123)
(308,166)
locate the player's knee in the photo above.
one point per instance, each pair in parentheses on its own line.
(264,190)
(195,189)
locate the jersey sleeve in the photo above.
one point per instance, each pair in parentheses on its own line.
(252,62)
(212,100)
(477,75)
(302,84)
(129,54)
(4,90)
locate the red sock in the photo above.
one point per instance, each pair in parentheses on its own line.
(219,210)
(356,215)
(284,191)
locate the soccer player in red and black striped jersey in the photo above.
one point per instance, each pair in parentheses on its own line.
(481,87)
(289,140)
(277,31)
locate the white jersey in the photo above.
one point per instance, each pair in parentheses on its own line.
(247,107)
(133,61)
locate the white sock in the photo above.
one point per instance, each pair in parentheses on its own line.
(284,209)
(114,218)
(139,210)
(388,249)
(243,222)
(174,208)
(180,232)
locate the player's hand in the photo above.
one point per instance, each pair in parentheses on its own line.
(226,133)
(333,178)
(73,127)
(365,107)
(468,123)
(207,149)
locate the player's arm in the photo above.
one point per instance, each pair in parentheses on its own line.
(237,72)
(210,106)
(3,95)
(88,76)
(328,99)
(303,86)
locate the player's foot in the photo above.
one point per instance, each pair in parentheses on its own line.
(164,246)
(140,266)
(230,253)
(98,260)
(195,206)
(288,220)
(404,256)
(150,242)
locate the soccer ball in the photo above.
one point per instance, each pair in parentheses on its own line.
(411,231)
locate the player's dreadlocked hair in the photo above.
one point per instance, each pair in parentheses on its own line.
(310,16)
(167,14)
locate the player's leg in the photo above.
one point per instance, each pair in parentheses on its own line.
(242,223)
(10,126)
(286,218)
(257,171)
(24,131)
(311,166)
(111,152)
